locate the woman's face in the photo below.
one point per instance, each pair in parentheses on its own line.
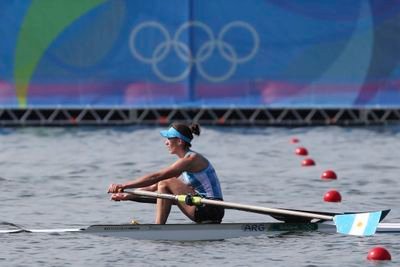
(173,145)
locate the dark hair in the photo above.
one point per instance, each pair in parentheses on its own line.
(186,130)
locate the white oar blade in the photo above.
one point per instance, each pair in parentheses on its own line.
(361,224)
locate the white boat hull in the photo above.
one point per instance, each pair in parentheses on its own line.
(198,232)
(190,232)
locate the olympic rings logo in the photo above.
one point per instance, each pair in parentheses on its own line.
(189,57)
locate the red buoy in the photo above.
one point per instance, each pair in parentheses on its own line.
(294,140)
(379,254)
(332,196)
(329,175)
(73,120)
(301,151)
(307,162)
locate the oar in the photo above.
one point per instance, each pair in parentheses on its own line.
(363,224)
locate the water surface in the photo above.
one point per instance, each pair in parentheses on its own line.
(58,177)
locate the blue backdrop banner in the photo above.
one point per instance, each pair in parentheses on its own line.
(220,53)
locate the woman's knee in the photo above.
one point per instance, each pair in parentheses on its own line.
(163,185)
(174,186)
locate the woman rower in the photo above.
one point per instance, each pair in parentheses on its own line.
(192,174)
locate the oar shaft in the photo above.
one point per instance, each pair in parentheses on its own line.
(259,209)
(231,205)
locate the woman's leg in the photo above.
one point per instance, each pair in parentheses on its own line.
(176,187)
(152,188)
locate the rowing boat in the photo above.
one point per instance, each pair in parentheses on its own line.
(201,232)
(359,223)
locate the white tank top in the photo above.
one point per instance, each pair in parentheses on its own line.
(204,182)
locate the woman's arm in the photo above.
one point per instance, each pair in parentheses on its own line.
(173,170)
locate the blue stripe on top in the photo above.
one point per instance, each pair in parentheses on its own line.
(205,182)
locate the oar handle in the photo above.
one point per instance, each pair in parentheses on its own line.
(144,193)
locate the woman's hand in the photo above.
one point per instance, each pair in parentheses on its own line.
(115,188)
(121,196)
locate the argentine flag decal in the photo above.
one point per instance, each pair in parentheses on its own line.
(357,224)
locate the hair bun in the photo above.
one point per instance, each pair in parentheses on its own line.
(195,129)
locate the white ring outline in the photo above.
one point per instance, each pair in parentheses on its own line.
(164,48)
(166,78)
(223,77)
(151,24)
(252,31)
(193,24)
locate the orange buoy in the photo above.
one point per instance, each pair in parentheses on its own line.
(332,196)
(379,254)
(329,175)
(307,162)
(301,151)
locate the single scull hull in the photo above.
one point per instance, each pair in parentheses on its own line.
(187,232)
(197,232)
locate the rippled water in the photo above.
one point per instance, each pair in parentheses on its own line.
(57,178)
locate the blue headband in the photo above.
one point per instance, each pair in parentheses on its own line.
(173,133)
